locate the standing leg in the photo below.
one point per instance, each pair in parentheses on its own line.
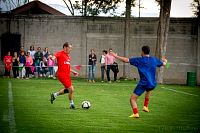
(27,72)
(89,72)
(133,104)
(93,72)
(115,76)
(102,73)
(17,72)
(14,72)
(139,90)
(108,73)
(146,101)
(71,97)
(114,71)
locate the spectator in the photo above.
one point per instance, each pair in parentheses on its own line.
(29,63)
(15,65)
(38,58)
(102,61)
(22,49)
(92,65)
(32,52)
(46,52)
(110,64)
(8,64)
(22,62)
(50,64)
(43,68)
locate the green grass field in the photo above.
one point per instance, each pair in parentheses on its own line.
(173,108)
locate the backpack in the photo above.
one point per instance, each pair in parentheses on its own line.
(115,67)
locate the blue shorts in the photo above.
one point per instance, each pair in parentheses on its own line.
(140,89)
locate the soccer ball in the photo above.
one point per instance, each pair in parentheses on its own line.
(86,104)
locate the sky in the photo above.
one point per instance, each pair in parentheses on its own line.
(179,8)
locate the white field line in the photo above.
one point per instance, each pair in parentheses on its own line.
(182,92)
(11,112)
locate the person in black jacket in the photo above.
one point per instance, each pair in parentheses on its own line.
(92,65)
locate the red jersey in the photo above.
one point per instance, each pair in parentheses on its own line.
(63,61)
(8,61)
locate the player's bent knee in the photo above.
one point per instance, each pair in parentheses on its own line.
(71,89)
(133,97)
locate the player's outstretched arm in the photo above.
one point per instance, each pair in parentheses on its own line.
(74,72)
(124,59)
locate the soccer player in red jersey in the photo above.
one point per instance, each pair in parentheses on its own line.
(8,64)
(63,73)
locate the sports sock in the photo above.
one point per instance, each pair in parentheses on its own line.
(135,110)
(56,94)
(146,102)
(71,102)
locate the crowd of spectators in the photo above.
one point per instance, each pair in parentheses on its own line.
(30,63)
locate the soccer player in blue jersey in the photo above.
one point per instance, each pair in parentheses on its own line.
(146,66)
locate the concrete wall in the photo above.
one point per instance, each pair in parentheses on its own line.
(102,33)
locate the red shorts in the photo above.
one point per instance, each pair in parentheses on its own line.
(66,81)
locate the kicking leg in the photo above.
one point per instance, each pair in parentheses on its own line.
(54,95)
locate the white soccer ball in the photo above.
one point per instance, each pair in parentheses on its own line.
(86,104)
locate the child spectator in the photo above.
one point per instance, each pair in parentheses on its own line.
(50,64)
(8,64)
(43,68)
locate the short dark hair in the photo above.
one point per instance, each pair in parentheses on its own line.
(105,51)
(66,44)
(146,49)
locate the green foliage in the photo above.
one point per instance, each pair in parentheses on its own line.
(169,111)
(196,7)
(95,7)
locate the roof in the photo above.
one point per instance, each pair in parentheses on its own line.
(36,7)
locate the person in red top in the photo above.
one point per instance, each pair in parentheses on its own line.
(63,73)
(8,64)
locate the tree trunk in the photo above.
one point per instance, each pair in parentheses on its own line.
(85,8)
(127,35)
(198,48)
(162,34)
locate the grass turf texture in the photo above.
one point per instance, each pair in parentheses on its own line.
(169,111)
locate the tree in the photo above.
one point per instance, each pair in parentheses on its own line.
(162,34)
(95,7)
(196,7)
(127,34)
(71,10)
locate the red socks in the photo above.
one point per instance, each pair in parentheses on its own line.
(135,110)
(146,102)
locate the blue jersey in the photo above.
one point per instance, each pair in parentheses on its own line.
(147,70)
